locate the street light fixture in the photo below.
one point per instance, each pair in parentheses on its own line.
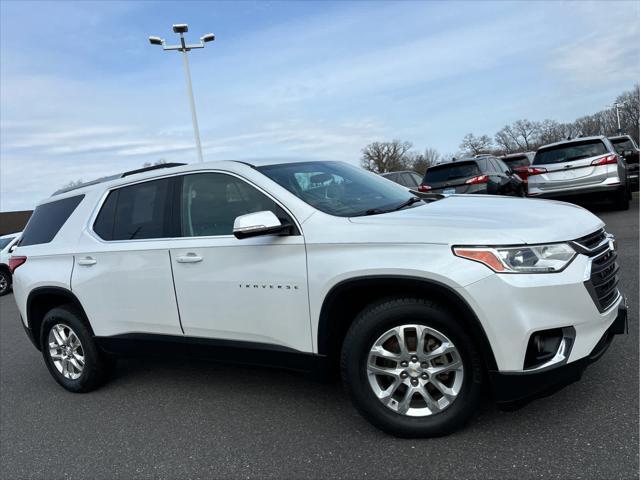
(182,28)
(618,105)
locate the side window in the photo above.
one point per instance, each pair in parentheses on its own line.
(212,201)
(501,166)
(493,166)
(47,220)
(391,176)
(138,211)
(485,166)
(407,180)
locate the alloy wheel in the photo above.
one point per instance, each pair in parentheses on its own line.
(415,370)
(65,350)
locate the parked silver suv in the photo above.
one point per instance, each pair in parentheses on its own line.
(584,166)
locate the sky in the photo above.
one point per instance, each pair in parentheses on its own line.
(83,94)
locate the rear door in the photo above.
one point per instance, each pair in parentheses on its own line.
(250,290)
(122,273)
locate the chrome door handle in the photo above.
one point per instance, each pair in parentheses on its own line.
(87,261)
(189,258)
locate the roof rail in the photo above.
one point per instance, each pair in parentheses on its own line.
(113,177)
(152,167)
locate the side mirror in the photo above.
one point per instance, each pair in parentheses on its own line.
(627,153)
(257,224)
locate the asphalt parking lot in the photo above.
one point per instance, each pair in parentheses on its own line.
(173,418)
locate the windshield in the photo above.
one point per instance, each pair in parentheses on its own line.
(337,188)
(622,144)
(568,152)
(519,161)
(5,241)
(451,171)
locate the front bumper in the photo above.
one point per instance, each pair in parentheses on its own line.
(513,389)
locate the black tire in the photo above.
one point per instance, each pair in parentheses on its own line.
(5,282)
(367,328)
(97,366)
(621,199)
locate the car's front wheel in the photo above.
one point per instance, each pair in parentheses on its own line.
(70,353)
(411,369)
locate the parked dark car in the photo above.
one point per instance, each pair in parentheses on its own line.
(627,148)
(406,178)
(519,163)
(488,175)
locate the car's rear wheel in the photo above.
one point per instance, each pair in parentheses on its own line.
(621,199)
(70,352)
(5,282)
(411,369)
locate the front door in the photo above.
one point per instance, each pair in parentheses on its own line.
(251,290)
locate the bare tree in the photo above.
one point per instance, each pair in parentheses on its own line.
(162,161)
(421,162)
(73,183)
(382,157)
(473,145)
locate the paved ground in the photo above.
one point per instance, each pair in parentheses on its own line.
(186,419)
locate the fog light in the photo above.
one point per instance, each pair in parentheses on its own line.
(544,345)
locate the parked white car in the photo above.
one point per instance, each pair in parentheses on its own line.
(7,243)
(307,264)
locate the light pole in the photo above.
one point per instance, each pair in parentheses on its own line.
(618,105)
(182,28)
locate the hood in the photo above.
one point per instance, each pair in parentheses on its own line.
(486,220)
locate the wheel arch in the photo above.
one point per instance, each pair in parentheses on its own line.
(348,297)
(42,299)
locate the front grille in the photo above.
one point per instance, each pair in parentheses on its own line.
(603,283)
(592,244)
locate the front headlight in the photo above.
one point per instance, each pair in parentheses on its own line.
(524,259)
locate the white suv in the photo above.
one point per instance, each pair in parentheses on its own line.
(320,264)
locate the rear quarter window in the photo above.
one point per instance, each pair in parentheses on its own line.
(47,220)
(568,152)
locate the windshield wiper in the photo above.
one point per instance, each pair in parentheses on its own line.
(376,211)
(409,202)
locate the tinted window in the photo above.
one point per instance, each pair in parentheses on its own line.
(451,171)
(337,188)
(501,167)
(517,161)
(212,201)
(47,219)
(391,176)
(623,143)
(134,212)
(417,179)
(568,152)
(407,179)
(5,241)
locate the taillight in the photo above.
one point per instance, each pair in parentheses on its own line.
(608,160)
(536,171)
(478,179)
(15,262)
(424,188)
